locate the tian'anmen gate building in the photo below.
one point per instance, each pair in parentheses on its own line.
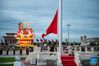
(10,39)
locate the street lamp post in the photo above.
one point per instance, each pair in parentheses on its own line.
(68,25)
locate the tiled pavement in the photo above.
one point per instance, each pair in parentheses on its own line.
(27,64)
(87,63)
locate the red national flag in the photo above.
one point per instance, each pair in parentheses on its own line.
(37,40)
(41,40)
(53,26)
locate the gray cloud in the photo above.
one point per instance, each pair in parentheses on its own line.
(83,15)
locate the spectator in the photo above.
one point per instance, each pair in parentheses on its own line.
(1,51)
(27,51)
(20,51)
(7,52)
(52,49)
(13,51)
(31,49)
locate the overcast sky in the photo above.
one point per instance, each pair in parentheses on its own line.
(83,15)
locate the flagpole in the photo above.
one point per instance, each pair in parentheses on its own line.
(60,27)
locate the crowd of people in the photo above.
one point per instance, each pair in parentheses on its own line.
(50,45)
(14,49)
